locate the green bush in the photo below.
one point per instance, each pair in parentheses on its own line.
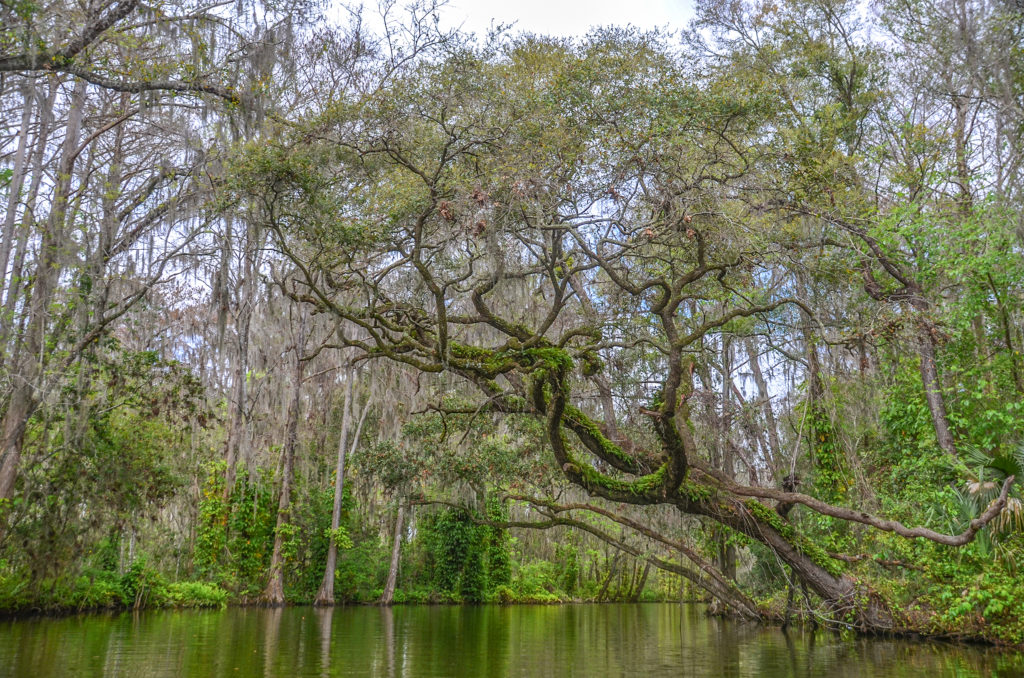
(88,594)
(195,594)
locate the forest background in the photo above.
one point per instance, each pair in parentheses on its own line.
(296,309)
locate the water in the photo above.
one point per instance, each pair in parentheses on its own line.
(566,640)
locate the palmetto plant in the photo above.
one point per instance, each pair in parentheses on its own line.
(986,475)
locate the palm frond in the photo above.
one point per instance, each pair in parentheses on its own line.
(1011,517)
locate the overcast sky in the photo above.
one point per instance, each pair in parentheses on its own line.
(566,17)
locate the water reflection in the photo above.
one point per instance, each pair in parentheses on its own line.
(573,640)
(324,617)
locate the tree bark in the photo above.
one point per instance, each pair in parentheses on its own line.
(14,190)
(604,390)
(726,551)
(274,593)
(852,604)
(15,282)
(396,551)
(325,595)
(239,384)
(1004,318)
(613,567)
(770,427)
(639,588)
(23,401)
(933,391)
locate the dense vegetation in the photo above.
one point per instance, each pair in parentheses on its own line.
(296,310)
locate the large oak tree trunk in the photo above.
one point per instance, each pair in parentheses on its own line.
(843,598)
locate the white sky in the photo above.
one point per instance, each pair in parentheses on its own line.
(567,17)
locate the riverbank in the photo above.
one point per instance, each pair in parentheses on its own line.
(138,588)
(143,589)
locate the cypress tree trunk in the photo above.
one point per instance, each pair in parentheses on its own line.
(635,595)
(15,282)
(14,189)
(325,596)
(243,320)
(23,400)
(396,551)
(727,552)
(274,593)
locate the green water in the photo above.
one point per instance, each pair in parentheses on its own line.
(565,640)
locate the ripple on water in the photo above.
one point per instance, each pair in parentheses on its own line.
(422,641)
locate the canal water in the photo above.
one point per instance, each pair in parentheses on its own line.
(636,640)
